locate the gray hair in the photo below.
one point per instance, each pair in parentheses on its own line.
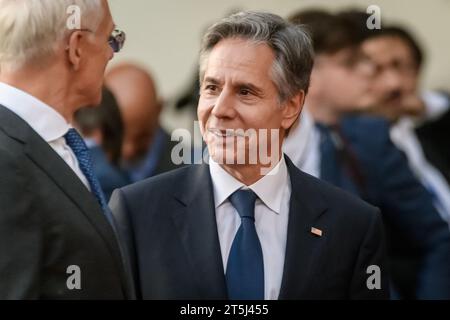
(291,44)
(31,29)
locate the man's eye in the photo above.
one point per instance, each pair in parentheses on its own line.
(211,87)
(245,92)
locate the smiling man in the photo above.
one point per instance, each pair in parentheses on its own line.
(251,227)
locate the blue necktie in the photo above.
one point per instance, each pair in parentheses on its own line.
(245,267)
(81,151)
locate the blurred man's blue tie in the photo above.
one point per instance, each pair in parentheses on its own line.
(81,151)
(245,267)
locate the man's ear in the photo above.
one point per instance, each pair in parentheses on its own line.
(75,50)
(292,109)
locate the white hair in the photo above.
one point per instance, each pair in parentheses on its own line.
(32,29)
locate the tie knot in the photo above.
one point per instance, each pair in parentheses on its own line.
(244,202)
(75,141)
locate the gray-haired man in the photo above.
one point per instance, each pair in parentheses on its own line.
(250,225)
(56,237)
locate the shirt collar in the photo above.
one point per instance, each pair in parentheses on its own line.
(298,143)
(269,188)
(45,120)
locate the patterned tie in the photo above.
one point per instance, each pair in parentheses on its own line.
(81,151)
(245,267)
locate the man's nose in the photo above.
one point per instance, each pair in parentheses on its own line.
(391,80)
(224,106)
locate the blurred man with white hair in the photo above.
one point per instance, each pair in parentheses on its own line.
(57,238)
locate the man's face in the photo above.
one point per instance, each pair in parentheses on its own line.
(396,76)
(140,123)
(237,92)
(140,108)
(342,80)
(98,53)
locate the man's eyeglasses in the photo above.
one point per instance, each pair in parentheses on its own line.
(117,40)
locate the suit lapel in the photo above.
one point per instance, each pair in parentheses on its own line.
(196,224)
(302,246)
(62,175)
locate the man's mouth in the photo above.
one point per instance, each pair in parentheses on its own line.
(394,97)
(226,133)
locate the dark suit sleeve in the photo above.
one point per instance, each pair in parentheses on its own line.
(407,207)
(20,234)
(370,277)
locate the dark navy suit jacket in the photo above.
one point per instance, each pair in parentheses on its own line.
(418,238)
(170,226)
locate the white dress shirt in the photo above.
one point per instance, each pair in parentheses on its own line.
(43,119)
(302,145)
(436,104)
(271,218)
(404,137)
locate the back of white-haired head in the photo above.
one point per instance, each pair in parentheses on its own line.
(32,29)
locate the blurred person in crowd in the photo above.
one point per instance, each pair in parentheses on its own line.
(355,153)
(398,59)
(251,230)
(102,130)
(147,148)
(57,237)
(417,120)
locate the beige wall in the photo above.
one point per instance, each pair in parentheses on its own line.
(164,35)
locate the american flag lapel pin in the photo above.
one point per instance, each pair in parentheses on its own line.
(316,231)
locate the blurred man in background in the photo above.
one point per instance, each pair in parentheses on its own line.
(146,149)
(355,153)
(417,126)
(57,237)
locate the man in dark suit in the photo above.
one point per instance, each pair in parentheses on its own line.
(246,226)
(57,237)
(419,121)
(355,153)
